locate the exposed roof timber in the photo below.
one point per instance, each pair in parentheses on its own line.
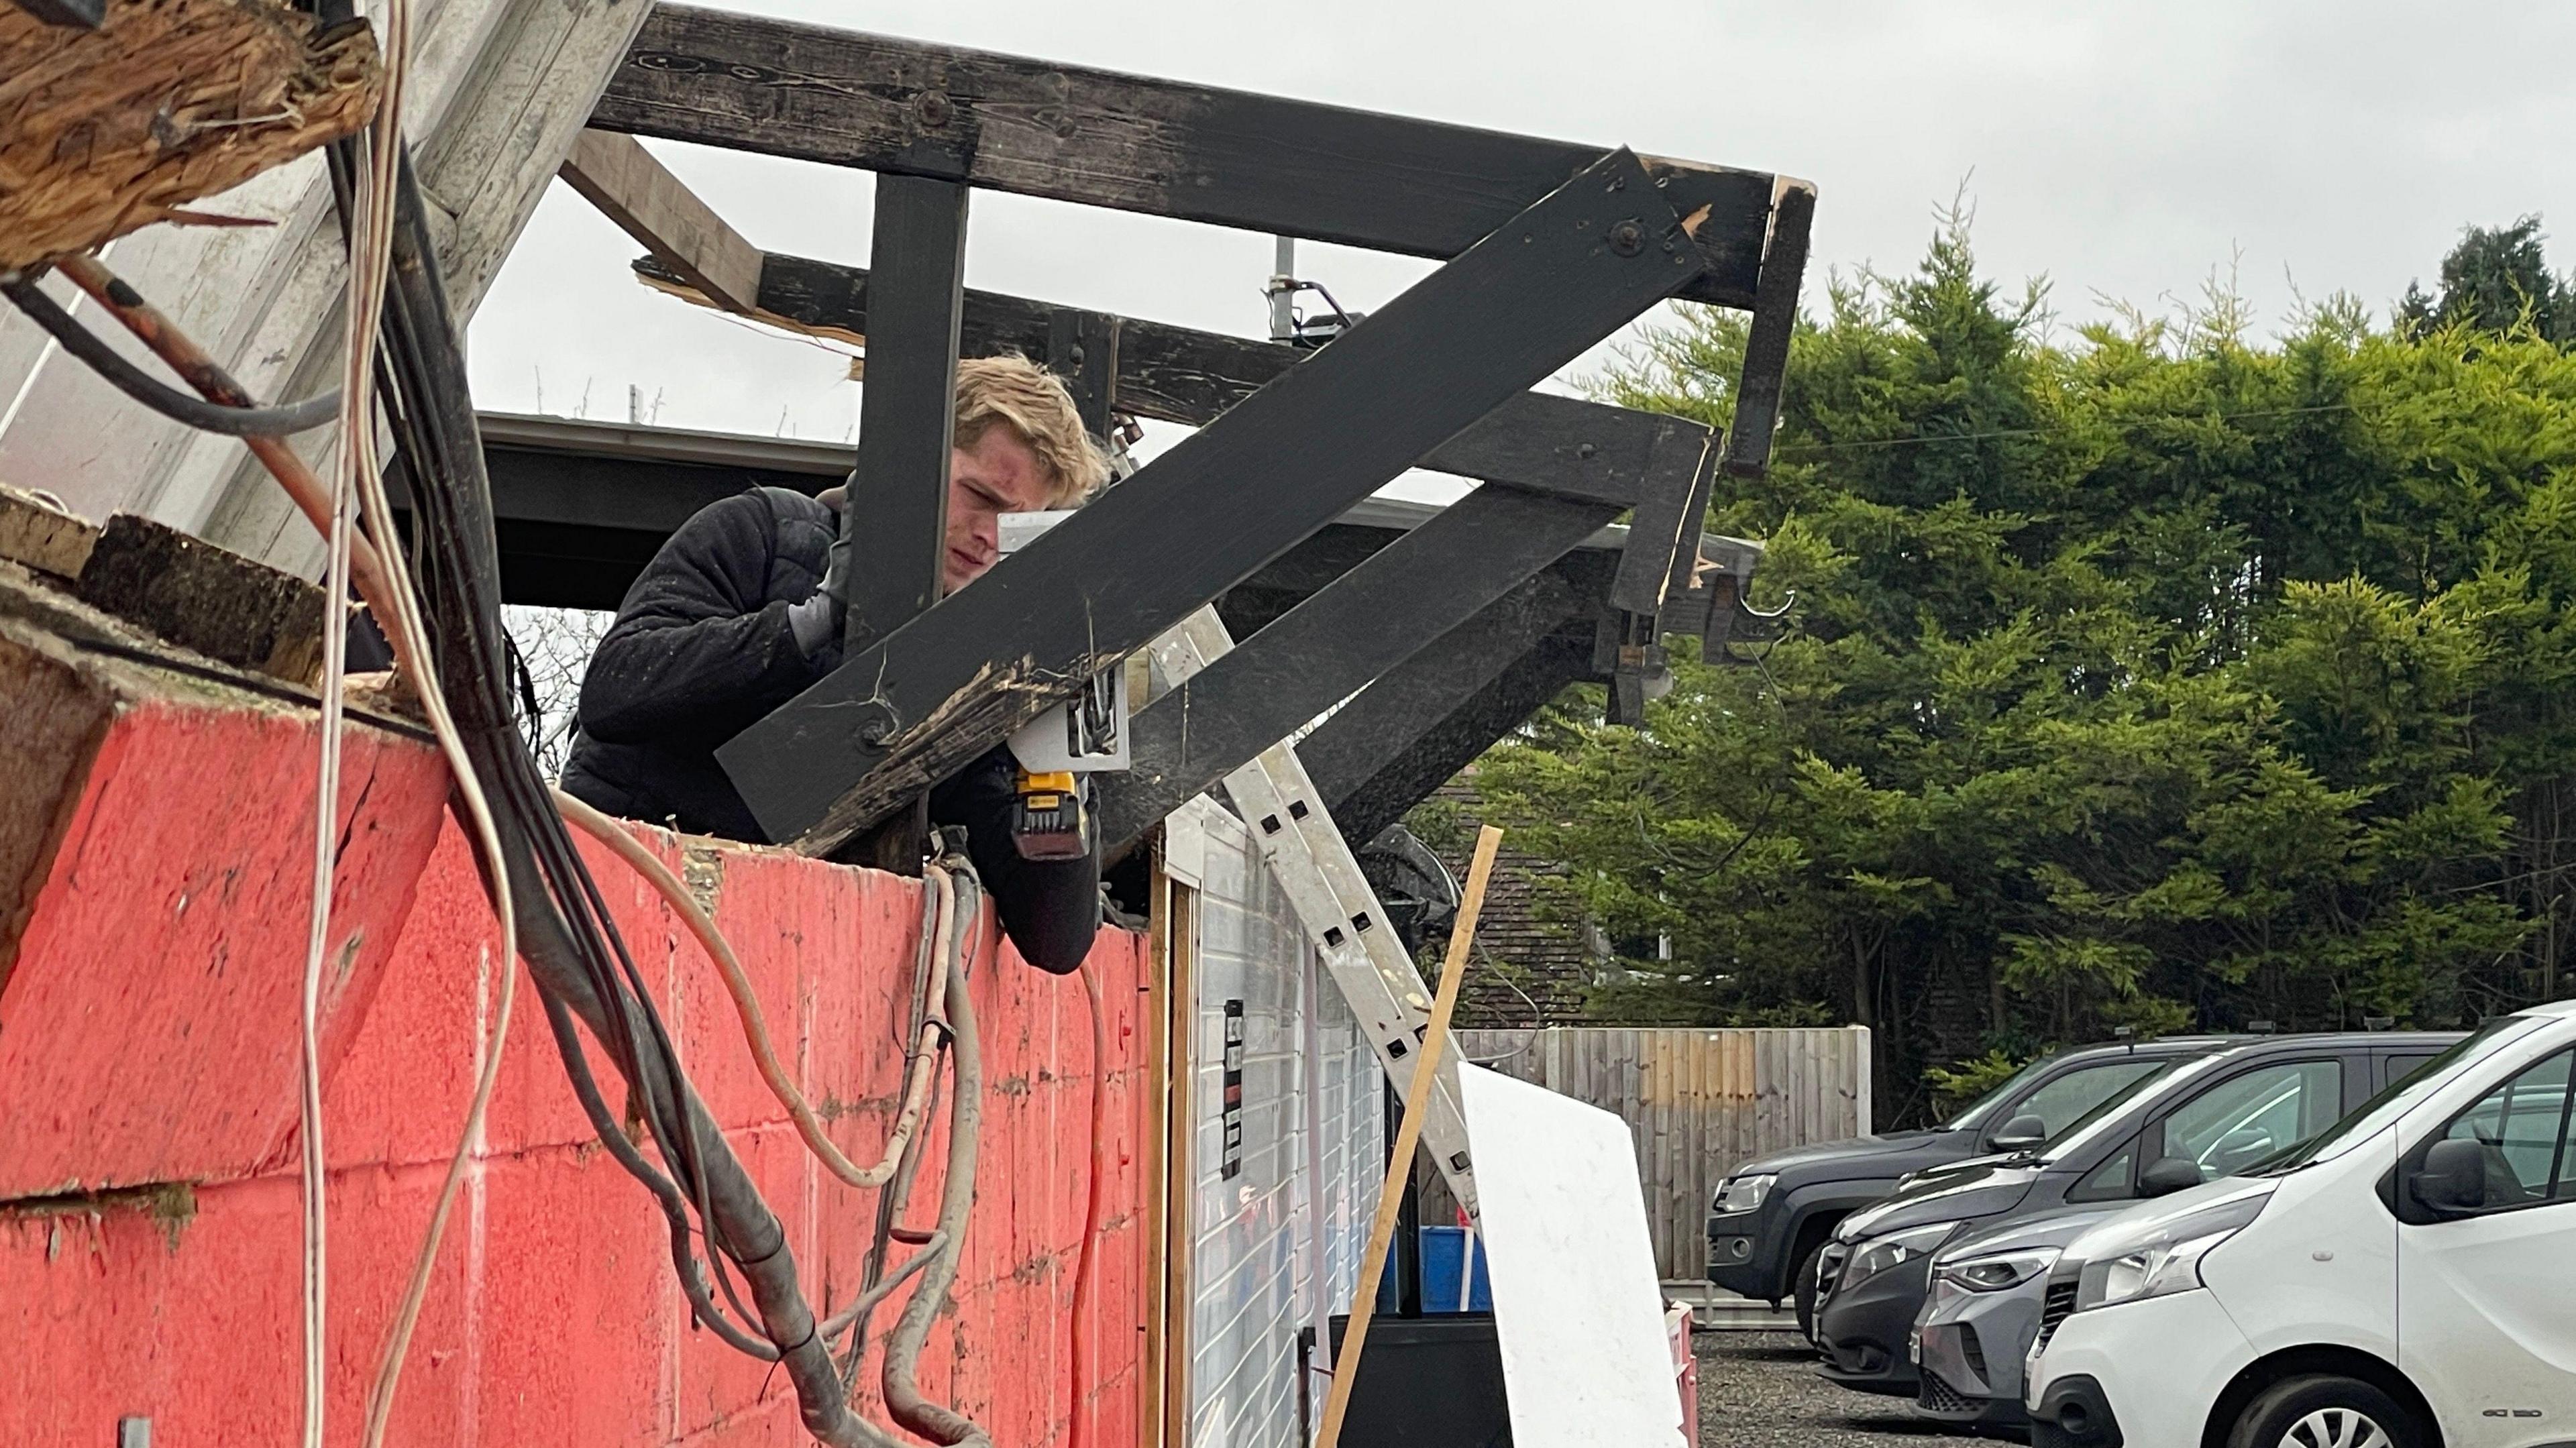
(583,476)
(904,712)
(1132,143)
(1333,644)
(1538,440)
(637,192)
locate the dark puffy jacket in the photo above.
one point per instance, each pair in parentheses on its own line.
(702,649)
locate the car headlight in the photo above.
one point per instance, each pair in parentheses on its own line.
(1894,1250)
(2161,1254)
(1993,1272)
(1743,1194)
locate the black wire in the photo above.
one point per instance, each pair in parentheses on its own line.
(674,1206)
(161,397)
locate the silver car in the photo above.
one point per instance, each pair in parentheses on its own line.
(1988,1291)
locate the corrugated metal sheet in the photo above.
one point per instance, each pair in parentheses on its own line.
(1697,1103)
(1257,1235)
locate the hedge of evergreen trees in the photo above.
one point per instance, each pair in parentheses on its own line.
(2149,674)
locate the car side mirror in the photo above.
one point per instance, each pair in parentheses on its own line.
(2020,1134)
(2167,1174)
(2454,1178)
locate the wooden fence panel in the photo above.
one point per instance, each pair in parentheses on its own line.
(1697,1103)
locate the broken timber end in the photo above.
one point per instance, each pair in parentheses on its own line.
(107,131)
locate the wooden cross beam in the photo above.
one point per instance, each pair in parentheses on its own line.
(1329,647)
(1538,440)
(1423,721)
(1509,311)
(1231,158)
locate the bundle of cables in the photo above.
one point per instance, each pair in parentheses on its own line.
(442,615)
(583,971)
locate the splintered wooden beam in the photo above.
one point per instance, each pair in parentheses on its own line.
(637,192)
(912,707)
(1231,158)
(107,131)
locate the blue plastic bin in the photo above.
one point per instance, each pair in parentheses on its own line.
(1441,1249)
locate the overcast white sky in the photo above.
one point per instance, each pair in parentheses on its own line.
(2120,150)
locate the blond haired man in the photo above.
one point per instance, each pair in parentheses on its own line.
(742,609)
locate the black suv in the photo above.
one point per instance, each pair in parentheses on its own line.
(2203,1119)
(1774,1213)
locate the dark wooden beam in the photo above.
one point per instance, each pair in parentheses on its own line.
(1201,517)
(1231,158)
(896,524)
(1412,730)
(1663,519)
(1775,319)
(1539,440)
(1329,647)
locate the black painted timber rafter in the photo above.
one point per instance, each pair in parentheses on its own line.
(906,408)
(1130,143)
(1329,647)
(1583,260)
(1559,445)
(1424,720)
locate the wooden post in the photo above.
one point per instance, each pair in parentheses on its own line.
(1390,1200)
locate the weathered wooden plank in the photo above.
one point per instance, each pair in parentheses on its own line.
(202,597)
(636,191)
(1775,318)
(43,537)
(1230,158)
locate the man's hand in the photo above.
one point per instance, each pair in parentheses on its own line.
(818,620)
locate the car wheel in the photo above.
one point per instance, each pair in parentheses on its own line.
(1805,1290)
(2324,1412)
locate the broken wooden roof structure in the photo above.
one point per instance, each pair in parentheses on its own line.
(1547,247)
(1423,643)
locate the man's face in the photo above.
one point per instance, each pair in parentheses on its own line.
(994,475)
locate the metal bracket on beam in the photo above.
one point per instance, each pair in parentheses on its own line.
(908,407)
(1578,264)
(1082,351)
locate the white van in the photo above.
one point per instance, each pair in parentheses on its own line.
(2406,1280)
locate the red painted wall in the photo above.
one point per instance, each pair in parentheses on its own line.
(147,1038)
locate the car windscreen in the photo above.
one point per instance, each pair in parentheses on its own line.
(2081,1130)
(1985,1106)
(2394,1101)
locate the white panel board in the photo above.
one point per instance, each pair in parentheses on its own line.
(1576,1301)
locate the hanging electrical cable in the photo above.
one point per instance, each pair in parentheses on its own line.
(233,419)
(1079,1425)
(921,1061)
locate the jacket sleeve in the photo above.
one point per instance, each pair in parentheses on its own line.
(1049,908)
(698,652)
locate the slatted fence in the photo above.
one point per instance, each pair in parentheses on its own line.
(1697,1102)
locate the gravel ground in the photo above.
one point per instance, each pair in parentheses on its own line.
(1762,1390)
